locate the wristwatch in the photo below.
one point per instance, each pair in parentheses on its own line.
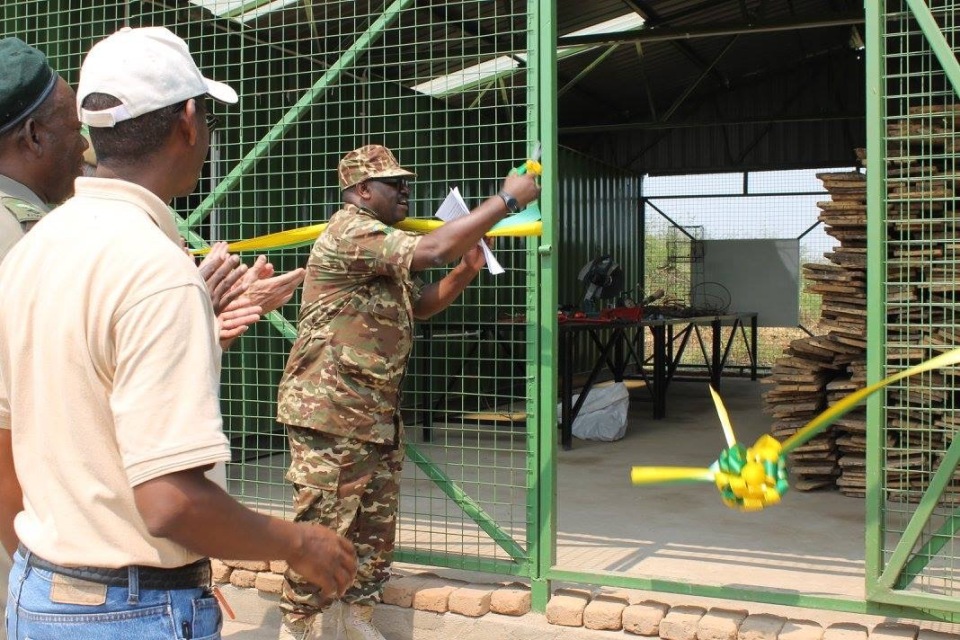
(510,201)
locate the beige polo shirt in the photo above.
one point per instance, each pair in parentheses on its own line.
(109,369)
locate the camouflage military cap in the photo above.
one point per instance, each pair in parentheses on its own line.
(371,161)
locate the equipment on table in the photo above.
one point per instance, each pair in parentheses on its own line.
(603,279)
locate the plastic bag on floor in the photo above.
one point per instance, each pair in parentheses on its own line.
(603,415)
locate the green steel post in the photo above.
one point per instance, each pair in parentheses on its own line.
(876,221)
(544,490)
(296,112)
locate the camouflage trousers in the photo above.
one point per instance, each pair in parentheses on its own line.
(351,487)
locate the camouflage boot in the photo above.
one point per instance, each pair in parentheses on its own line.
(301,629)
(358,622)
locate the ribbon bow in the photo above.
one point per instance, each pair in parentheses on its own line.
(750,479)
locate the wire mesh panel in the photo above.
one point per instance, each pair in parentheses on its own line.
(911,163)
(446,86)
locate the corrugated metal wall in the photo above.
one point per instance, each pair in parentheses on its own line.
(599,215)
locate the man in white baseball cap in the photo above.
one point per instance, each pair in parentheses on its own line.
(100,303)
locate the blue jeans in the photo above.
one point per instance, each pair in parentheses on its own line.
(42,605)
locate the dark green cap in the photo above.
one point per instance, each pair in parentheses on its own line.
(26,81)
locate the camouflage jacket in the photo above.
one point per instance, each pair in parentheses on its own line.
(20,208)
(355,330)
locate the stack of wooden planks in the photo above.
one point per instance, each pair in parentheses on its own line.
(921,294)
(817,370)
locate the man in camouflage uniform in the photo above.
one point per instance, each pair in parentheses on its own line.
(41,149)
(340,391)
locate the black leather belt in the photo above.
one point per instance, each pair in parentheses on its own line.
(190,576)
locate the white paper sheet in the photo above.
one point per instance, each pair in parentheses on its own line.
(454,207)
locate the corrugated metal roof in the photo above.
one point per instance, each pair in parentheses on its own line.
(702,85)
(787,90)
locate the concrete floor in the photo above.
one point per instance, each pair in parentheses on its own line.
(812,543)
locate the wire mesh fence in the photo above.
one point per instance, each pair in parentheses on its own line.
(447,88)
(916,159)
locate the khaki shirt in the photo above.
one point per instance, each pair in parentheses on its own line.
(20,208)
(355,330)
(109,374)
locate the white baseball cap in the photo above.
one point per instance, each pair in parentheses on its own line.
(146,69)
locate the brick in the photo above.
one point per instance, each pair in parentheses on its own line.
(681,623)
(472,600)
(761,626)
(399,592)
(220,571)
(604,612)
(249,565)
(566,607)
(930,634)
(278,566)
(800,630)
(845,631)
(511,600)
(643,618)
(433,597)
(894,631)
(243,579)
(268,582)
(720,624)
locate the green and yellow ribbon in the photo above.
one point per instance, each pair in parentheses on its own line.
(752,478)
(525,223)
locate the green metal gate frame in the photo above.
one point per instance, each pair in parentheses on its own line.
(889,576)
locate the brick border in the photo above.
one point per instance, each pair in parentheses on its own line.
(581,607)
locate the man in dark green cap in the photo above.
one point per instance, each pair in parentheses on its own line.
(41,152)
(41,149)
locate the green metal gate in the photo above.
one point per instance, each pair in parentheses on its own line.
(912,488)
(460,91)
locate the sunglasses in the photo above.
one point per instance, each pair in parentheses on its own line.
(397,183)
(212,121)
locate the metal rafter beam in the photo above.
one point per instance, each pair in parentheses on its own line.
(646,83)
(785,105)
(472,28)
(669,34)
(586,70)
(653,19)
(656,126)
(693,85)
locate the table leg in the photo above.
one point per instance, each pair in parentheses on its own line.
(659,371)
(716,365)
